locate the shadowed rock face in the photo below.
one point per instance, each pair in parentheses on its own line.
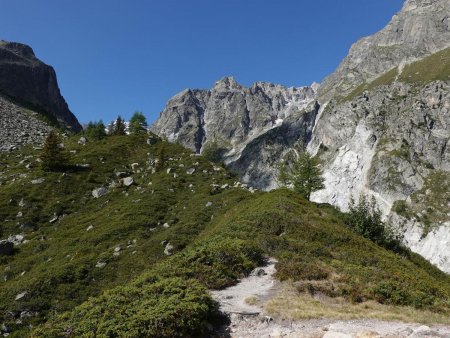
(27,79)
(421,28)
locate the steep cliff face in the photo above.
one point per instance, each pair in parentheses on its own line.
(252,127)
(28,80)
(421,28)
(392,141)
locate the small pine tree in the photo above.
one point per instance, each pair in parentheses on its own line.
(365,219)
(118,127)
(95,130)
(110,129)
(53,156)
(303,174)
(161,156)
(138,124)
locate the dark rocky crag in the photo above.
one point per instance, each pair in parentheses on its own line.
(29,82)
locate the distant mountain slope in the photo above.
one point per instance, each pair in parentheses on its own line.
(235,121)
(421,28)
(30,82)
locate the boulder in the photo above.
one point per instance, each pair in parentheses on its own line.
(127,181)
(16,239)
(6,248)
(82,141)
(38,181)
(21,295)
(168,249)
(99,192)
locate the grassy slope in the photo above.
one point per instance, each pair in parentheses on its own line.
(214,245)
(435,67)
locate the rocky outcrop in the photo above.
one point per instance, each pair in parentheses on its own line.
(421,28)
(32,83)
(250,127)
(392,142)
(19,126)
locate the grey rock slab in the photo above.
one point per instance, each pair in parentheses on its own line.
(99,192)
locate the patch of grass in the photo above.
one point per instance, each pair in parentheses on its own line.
(294,305)
(383,80)
(252,300)
(432,68)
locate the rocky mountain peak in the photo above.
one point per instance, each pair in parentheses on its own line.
(227,83)
(25,78)
(17,50)
(421,28)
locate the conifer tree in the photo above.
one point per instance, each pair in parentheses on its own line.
(303,174)
(53,156)
(138,124)
(118,126)
(95,130)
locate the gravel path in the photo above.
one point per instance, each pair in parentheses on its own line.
(249,320)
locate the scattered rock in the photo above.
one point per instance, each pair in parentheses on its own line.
(208,204)
(168,249)
(21,295)
(128,181)
(89,228)
(38,181)
(53,219)
(82,141)
(99,192)
(190,171)
(100,264)
(16,239)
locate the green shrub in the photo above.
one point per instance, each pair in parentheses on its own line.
(365,219)
(170,307)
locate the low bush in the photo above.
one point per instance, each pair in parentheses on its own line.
(169,307)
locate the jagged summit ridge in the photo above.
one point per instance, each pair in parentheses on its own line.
(421,28)
(229,112)
(24,77)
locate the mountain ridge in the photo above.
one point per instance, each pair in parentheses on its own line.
(29,81)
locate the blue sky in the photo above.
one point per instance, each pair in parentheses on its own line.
(118,56)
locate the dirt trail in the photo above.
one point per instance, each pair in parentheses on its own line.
(244,305)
